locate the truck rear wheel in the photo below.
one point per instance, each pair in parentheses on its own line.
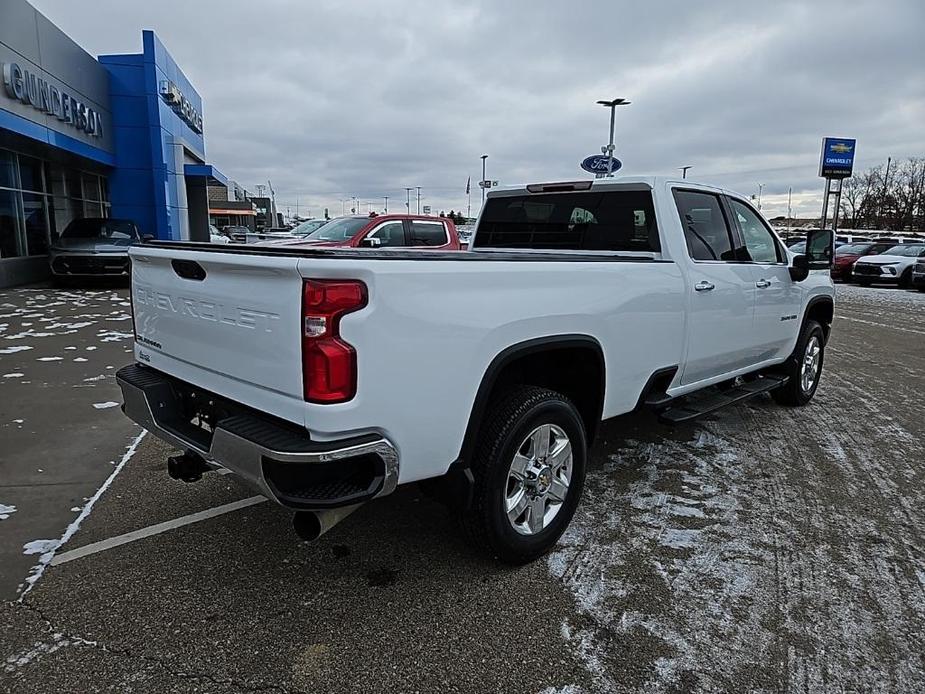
(529,471)
(804,367)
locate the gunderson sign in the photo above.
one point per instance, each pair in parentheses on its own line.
(35,91)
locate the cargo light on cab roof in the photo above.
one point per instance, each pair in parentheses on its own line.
(563,187)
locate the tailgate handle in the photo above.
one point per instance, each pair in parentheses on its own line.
(188,269)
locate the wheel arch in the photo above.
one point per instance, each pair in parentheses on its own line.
(822,310)
(582,381)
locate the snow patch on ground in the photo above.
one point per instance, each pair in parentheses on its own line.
(49,359)
(28,333)
(14,349)
(113,335)
(40,648)
(105,405)
(6,510)
(880,297)
(15,374)
(39,546)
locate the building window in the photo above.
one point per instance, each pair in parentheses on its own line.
(39,199)
(10,236)
(7,169)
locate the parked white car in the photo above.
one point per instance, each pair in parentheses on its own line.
(326,377)
(893,266)
(215,236)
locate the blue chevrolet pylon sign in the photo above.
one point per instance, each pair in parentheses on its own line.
(837,159)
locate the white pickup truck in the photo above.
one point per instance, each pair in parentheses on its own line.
(327,377)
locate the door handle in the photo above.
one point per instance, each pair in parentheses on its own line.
(761,284)
(703,286)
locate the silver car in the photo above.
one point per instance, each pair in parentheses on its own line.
(893,266)
(94,247)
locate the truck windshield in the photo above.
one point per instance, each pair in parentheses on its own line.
(305,228)
(908,250)
(338,229)
(114,229)
(592,221)
(853,249)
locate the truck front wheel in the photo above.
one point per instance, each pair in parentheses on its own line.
(804,368)
(529,471)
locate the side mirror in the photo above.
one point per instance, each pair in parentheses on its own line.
(820,254)
(147,237)
(799,268)
(820,249)
(371,242)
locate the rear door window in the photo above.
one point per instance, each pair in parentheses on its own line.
(705,226)
(428,234)
(594,221)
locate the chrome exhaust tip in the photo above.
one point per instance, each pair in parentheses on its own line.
(310,525)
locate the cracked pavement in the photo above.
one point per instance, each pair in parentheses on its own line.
(761,549)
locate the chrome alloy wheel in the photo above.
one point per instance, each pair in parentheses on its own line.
(812,361)
(538,479)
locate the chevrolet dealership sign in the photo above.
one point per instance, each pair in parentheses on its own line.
(181,105)
(837,160)
(35,91)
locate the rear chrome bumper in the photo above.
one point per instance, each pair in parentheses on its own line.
(278,459)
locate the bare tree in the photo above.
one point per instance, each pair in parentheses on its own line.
(907,192)
(877,200)
(852,197)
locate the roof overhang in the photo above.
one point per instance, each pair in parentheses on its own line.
(204,175)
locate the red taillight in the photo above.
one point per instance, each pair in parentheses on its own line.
(329,364)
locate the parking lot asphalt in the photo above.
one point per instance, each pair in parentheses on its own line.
(60,427)
(760,549)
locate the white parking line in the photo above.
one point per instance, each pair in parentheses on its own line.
(118,540)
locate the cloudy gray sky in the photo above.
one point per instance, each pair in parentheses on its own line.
(331,99)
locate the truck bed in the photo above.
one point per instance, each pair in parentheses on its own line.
(433,323)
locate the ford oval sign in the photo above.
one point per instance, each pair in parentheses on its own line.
(597,164)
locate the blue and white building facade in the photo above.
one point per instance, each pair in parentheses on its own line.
(119,136)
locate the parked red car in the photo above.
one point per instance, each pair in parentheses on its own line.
(383,231)
(845,256)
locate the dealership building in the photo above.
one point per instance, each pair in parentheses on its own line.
(114,136)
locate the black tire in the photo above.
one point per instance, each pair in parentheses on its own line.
(864,283)
(905,279)
(507,425)
(793,394)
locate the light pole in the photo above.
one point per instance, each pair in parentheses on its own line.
(608,150)
(760,186)
(386,203)
(408,200)
(484,157)
(789,207)
(419,199)
(684,170)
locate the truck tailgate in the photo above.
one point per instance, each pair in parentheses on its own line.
(219,319)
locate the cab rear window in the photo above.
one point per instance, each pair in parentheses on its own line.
(593,221)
